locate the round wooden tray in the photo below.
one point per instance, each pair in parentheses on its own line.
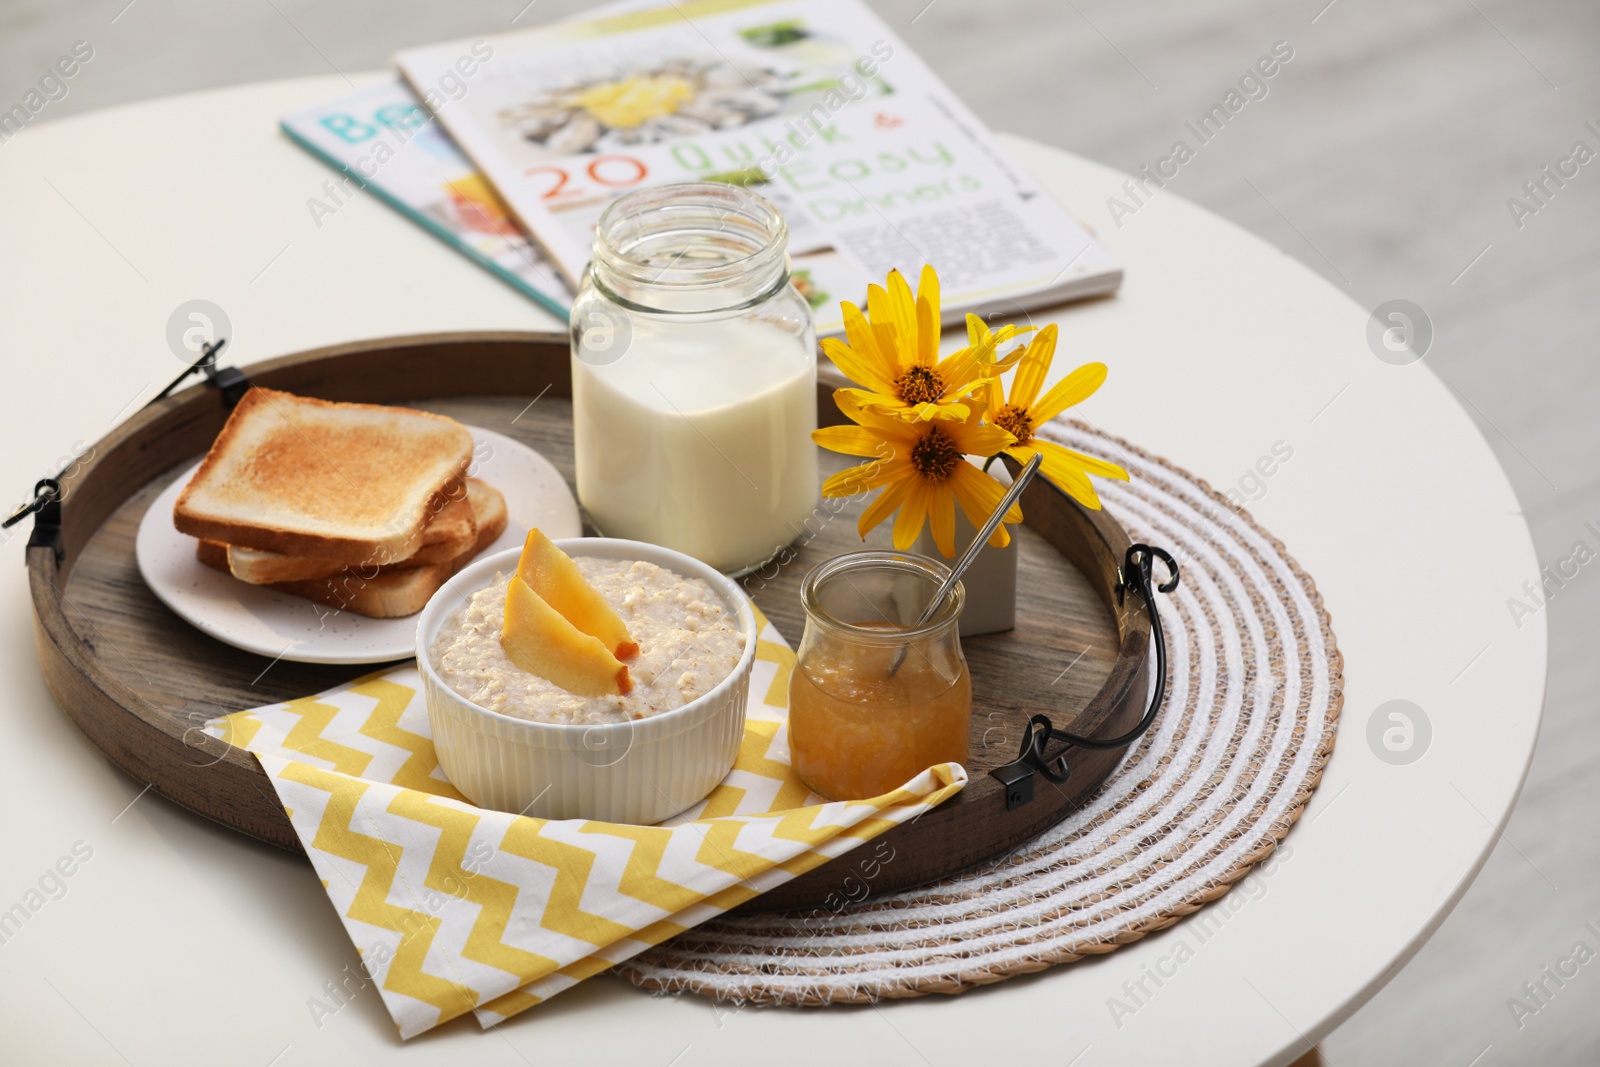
(140,682)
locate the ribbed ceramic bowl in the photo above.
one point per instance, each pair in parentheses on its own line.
(632,772)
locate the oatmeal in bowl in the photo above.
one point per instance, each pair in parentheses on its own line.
(688,643)
(587,678)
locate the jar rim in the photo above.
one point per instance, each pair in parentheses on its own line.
(947,616)
(751,230)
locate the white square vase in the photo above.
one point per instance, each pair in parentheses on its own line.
(991,581)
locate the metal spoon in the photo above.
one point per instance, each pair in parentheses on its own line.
(971,553)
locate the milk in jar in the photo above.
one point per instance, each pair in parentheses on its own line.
(694,377)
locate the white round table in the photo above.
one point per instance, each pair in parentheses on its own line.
(180,942)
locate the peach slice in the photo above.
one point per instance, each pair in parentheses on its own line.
(551,573)
(541,642)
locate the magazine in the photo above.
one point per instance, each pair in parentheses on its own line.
(815,104)
(384,140)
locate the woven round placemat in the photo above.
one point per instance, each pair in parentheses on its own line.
(1253,698)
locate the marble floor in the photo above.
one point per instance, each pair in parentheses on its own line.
(1383,157)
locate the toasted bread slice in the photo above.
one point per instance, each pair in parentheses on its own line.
(398,591)
(487,506)
(389,592)
(450,532)
(302,477)
(212,554)
(489,512)
(387,595)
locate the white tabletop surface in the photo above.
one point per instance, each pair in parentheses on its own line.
(181,942)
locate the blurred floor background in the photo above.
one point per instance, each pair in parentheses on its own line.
(1384,157)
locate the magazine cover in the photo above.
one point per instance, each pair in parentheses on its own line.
(817,105)
(386,141)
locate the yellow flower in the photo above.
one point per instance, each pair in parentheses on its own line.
(1026,411)
(634,101)
(922,469)
(893,351)
(980,336)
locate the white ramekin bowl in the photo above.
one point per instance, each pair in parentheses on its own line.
(636,772)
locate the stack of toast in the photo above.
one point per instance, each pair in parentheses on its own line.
(361,507)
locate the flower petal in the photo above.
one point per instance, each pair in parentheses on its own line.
(1033,368)
(928,286)
(979,387)
(1088,464)
(928,317)
(979,495)
(888,501)
(851,440)
(913,513)
(1073,389)
(864,477)
(1064,476)
(927,333)
(949,411)
(980,439)
(977,330)
(994,398)
(858,331)
(942,520)
(1006,362)
(876,412)
(1010,330)
(850,481)
(903,313)
(885,329)
(880,406)
(962,367)
(855,366)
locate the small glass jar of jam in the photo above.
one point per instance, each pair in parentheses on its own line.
(875,698)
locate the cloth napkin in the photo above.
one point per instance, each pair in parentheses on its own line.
(456,908)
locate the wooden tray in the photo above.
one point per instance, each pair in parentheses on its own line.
(140,682)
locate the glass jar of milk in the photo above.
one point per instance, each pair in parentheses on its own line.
(694,377)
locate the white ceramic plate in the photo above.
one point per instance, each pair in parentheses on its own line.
(262,620)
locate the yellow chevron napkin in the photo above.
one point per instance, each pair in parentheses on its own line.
(455,908)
